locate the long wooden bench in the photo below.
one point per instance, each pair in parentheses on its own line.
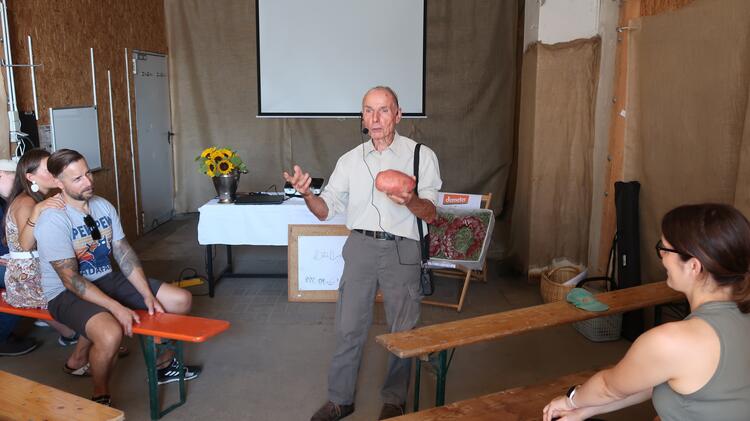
(440,338)
(517,404)
(24,400)
(152,330)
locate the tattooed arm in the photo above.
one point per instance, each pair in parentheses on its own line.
(132,269)
(127,259)
(67,270)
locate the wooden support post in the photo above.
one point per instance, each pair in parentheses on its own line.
(629,10)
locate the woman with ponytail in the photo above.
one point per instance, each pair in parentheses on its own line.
(697,368)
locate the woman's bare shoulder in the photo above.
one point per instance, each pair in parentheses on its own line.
(21,201)
(678,334)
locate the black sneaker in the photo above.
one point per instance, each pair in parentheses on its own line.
(67,341)
(171,373)
(15,346)
(332,412)
(105,400)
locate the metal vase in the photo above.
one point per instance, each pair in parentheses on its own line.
(226,186)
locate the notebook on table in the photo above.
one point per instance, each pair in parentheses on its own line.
(259,199)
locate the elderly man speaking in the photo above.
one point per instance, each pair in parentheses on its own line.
(382,251)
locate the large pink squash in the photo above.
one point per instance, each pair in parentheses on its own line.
(394,182)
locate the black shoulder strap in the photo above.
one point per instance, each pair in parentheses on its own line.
(422,240)
(416,166)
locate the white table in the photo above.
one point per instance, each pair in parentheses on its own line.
(253,225)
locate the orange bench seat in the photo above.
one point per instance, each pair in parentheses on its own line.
(152,328)
(179,327)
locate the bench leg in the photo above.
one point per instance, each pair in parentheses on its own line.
(441,372)
(149,354)
(417,375)
(149,347)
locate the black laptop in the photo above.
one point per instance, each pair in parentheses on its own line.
(259,199)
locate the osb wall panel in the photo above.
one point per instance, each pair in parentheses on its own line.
(654,7)
(62,33)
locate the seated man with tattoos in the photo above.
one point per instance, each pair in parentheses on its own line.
(83,292)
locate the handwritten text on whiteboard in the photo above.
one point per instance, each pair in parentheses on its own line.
(319,261)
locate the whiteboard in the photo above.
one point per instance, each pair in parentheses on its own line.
(317,58)
(315,263)
(319,262)
(77,128)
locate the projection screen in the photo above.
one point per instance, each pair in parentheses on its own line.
(317,57)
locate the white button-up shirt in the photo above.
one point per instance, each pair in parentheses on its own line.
(351,187)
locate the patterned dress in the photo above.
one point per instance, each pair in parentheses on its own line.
(23,278)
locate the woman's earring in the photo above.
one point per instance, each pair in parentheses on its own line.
(34,186)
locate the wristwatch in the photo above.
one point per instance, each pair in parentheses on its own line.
(571,393)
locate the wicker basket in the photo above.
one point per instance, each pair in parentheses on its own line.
(601,329)
(551,284)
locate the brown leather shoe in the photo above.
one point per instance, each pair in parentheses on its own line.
(390,410)
(332,412)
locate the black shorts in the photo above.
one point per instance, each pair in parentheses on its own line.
(74,312)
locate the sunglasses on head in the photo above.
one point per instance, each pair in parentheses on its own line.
(93,229)
(661,249)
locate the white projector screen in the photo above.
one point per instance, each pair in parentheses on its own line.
(318,57)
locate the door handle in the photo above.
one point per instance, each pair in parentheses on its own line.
(169,137)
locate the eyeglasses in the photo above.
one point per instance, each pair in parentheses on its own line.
(660,248)
(91,225)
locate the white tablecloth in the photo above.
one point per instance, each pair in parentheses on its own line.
(256,225)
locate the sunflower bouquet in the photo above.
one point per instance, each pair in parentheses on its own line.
(215,161)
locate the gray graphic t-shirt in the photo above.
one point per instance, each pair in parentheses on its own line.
(62,234)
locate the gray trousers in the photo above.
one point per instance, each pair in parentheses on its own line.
(369,264)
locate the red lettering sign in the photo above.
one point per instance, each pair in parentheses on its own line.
(455,199)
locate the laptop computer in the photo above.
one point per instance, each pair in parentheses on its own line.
(259,199)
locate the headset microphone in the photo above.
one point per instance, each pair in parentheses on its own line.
(365,130)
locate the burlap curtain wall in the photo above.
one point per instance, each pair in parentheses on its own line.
(688,133)
(552,204)
(470,99)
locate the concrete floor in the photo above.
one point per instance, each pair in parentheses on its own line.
(271,364)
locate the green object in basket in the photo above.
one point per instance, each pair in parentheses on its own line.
(585,300)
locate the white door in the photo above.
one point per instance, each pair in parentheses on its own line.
(154,130)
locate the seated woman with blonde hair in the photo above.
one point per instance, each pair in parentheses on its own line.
(697,368)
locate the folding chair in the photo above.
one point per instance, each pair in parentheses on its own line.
(467,201)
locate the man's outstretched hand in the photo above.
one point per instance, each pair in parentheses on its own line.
(299,180)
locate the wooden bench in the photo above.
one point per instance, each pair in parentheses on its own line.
(440,338)
(517,404)
(25,400)
(152,330)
